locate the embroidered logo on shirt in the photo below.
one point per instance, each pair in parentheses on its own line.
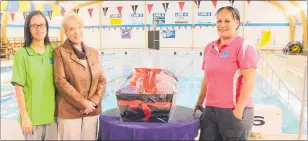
(224,54)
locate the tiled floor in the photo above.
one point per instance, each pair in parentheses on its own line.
(10,130)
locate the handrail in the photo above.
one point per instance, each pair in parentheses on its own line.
(280,80)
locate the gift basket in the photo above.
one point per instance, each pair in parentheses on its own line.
(148,94)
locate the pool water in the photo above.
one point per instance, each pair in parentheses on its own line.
(185,64)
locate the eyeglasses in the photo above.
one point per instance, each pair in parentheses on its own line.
(36,26)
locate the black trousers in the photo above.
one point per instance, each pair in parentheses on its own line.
(221,124)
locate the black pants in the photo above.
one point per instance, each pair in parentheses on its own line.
(221,124)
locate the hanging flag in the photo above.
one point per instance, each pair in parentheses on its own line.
(62,12)
(181,5)
(119,9)
(247,22)
(214,2)
(12,16)
(179,27)
(76,11)
(197,2)
(231,1)
(172,27)
(200,26)
(105,9)
(134,7)
(248,1)
(90,10)
(150,7)
(49,14)
(165,5)
(24,14)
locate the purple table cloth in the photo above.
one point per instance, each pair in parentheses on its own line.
(182,127)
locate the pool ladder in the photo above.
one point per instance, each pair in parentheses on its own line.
(281,84)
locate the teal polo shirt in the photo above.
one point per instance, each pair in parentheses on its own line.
(34,72)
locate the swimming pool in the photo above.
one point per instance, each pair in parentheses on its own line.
(185,64)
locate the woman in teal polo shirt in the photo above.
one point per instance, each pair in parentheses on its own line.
(33,80)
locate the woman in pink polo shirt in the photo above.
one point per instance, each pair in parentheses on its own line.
(229,66)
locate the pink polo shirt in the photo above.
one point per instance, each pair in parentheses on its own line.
(223,71)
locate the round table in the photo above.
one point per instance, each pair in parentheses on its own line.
(182,126)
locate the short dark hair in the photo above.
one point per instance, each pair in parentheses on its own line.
(27,33)
(233,10)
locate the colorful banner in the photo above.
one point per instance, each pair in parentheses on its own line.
(119,9)
(197,2)
(205,17)
(181,17)
(105,9)
(168,33)
(76,11)
(28,6)
(165,5)
(134,7)
(137,18)
(150,6)
(214,2)
(232,2)
(49,14)
(115,19)
(12,16)
(62,12)
(25,14)
(126,33)
(181,5)
(90,10)
(159,18)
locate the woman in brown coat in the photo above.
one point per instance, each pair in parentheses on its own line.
(80,82)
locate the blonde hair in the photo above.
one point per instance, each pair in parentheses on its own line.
(74,17)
